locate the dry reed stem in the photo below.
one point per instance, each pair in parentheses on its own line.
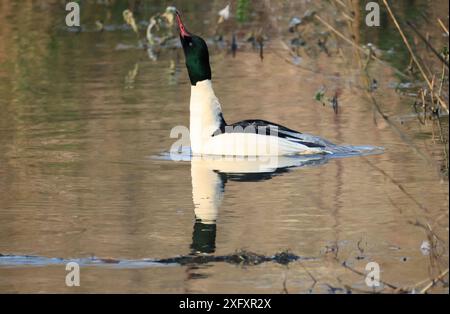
(351,42)
(427,43)
(374,102)
(416,61)
(443,26)
(434,281)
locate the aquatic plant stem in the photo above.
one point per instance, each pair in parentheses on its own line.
(351,42)
(342,36)
(413,56)
(374,102)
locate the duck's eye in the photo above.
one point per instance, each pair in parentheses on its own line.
(190,44)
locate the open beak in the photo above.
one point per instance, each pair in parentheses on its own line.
(183,32)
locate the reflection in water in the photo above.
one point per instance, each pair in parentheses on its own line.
(204,237)
(209,177)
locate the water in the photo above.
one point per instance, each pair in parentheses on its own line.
(82,121)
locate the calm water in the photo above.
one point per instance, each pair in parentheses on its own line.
(82,119)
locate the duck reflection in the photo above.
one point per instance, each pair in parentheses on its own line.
(211,174)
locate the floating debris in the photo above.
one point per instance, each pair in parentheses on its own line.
(129,19)
(224,14)
(425,248)
(320,94)
(160,30)
(100,27)
(294,23)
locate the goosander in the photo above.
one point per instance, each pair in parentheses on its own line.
(211,135)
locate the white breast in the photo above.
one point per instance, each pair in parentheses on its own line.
(205,115)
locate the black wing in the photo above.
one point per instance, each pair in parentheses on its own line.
(265,128)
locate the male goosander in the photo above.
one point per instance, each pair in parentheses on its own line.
(211,135)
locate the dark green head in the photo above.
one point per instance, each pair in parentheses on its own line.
(196,54)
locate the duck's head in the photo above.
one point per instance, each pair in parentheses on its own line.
(196,54)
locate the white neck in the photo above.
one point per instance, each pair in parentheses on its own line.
(206,115)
